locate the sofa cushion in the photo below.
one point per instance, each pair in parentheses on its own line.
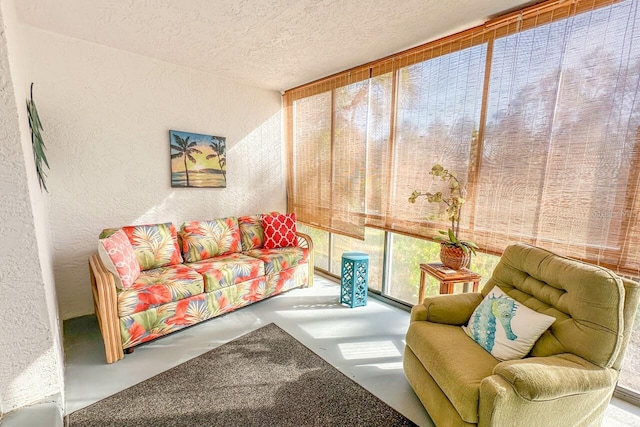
(251,232)
(504,327)
(276,260)
(456,363)
(279,230)
(155,245)
(208,239)
(116,253)
(287,279)
(159,286)
(228,270)
(161,320)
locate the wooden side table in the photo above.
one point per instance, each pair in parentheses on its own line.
(447,280)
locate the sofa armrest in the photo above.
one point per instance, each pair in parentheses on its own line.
(453,309)
(304,241)
(560,375)
(105,303)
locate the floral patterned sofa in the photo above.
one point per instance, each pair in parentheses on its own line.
(205,269)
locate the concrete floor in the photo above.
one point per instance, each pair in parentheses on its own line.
(342,336)
(365,343)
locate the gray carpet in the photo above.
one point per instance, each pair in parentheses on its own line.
(263,378)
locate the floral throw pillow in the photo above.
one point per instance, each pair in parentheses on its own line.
(279,231)
(116,253)
(155,245)
(207,239)
(504,327)
(251,232)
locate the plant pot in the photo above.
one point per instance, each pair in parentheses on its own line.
(453,257)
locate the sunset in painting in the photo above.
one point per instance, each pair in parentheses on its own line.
(197,160)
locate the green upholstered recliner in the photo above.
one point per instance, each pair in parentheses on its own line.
(568,377)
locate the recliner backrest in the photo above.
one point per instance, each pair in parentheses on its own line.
(586,300)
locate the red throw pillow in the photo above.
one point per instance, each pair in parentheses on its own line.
(279,231)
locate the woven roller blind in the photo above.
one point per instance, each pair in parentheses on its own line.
(560,143)
(327,131)
(536,112)
(437,116)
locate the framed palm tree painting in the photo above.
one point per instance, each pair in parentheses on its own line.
(198,160)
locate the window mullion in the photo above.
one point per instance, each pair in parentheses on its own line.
(392,132)
(332,154)
(386,268)
(477,143)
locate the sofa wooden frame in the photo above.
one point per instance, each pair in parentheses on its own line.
(105,300)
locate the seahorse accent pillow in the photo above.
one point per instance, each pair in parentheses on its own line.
(504,327)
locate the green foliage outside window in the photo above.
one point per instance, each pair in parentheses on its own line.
(407,253)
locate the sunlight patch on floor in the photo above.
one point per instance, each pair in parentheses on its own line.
(368,350)
(383,366)
(339,328)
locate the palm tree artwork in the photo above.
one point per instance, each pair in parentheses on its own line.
(218,147)
(185,149)
(197,160)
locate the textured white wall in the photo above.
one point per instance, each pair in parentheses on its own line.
(107,116)
(31,366)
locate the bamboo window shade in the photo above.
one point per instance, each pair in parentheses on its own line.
(537,112)
(327,152)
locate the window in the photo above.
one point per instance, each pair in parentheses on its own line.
(561,141)
(312,142)
(403,269)
(328,250)
(373,245)
(437,117)
(327,153)
(407,253)
(320,240)
(538,113)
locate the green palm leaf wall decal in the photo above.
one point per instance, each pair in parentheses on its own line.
(37,142)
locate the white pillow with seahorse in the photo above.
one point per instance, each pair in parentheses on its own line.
(504,327)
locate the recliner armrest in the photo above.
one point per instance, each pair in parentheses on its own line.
(547,378)
(453,309)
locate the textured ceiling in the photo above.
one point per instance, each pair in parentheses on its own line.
(274,44)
